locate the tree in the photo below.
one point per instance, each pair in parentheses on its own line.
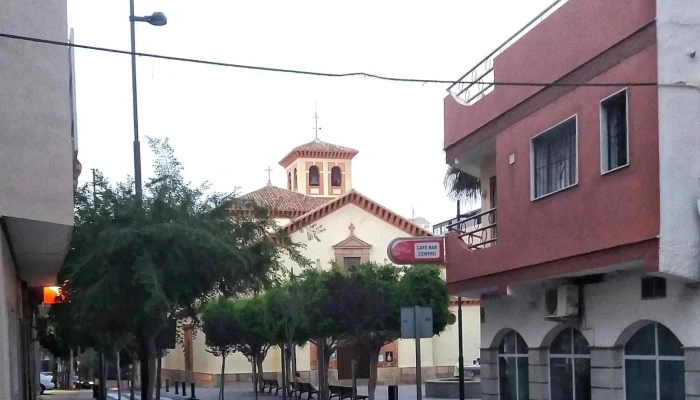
(221,329)
(254,339)
(461,185)
(282,321)
(325,333)
(128,258)
(372,300)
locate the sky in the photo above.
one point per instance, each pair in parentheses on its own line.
(228,125)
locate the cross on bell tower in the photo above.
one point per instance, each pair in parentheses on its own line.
(269,176)
(316,117)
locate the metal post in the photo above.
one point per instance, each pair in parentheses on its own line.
(192,395)
(461,348)
(184,389)
(419,378)
(137,144)
(167,385)
(177,387)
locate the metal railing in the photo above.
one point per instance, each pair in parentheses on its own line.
(441,228)
(478,81)
(477,230)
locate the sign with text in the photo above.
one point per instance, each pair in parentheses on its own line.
(422,316)
(417,250)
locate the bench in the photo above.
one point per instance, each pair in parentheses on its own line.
(303,387)
(344,392)
(270,384)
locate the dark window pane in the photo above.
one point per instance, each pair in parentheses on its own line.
(562,343)
(555,158)
(582,377)
(513,378)
(672,380)
(521,347)
(640,379)
(560,375)
(313,176)
(508,343)
(580,343)
(336,176)
(351,263)
(642,342)
(615,112)
(669,345)
(523,380)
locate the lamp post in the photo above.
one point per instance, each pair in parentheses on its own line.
(155,19)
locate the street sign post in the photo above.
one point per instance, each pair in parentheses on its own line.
(417,250)
(417,323)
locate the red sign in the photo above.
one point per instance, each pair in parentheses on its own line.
(417,250)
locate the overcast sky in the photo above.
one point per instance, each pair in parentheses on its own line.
(227,125)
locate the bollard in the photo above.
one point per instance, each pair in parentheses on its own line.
(192,395)
(167,385)
(393,392)
(177,385)
(184,389)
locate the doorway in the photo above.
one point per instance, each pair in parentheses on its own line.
(345,356)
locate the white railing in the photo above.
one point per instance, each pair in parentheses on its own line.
(479,81)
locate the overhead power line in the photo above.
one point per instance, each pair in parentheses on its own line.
(320,74)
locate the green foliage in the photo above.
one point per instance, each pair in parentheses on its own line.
(254,338)
(220,326)
(283,313)
(136,263)
(315,291)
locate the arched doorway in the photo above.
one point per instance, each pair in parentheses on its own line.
(513,381)
(570,366)
(654,365)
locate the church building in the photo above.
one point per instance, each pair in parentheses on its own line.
(338,224)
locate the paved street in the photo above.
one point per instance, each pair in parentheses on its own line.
(234,393)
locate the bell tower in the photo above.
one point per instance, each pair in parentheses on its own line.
(319,169)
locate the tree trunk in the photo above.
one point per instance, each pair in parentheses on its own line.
(159,365)
(147,348)
(71,368)
(132,378)
(223,376)
(119,377)
(254,365)
(261,372)
(293,348)
(285,386)
(372,384)
(323,355)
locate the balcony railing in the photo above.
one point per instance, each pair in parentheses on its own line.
(477,230)
(478,81)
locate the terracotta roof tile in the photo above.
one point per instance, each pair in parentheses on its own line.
(282,200)
(318,149)
(368,205)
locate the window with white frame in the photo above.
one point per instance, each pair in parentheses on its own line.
(570,366)
(614,132)
(554,159)
(513,382)
(654,365)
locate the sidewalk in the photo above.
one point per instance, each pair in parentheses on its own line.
(66,395)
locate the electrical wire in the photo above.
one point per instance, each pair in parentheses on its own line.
(322,74)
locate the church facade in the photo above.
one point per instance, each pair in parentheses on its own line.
(320,208)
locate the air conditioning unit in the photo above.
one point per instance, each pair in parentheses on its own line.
(562,303)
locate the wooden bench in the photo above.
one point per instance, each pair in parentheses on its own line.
(303,387)
(344,392)
(270,384)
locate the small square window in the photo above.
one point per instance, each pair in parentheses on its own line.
(554,159)
(351,263)
(614,132)
(653,287)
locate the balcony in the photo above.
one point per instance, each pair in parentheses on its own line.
(478,81)
(477,230)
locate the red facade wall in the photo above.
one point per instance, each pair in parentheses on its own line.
(571,36)
(600,212)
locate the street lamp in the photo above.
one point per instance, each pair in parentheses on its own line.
(155,19)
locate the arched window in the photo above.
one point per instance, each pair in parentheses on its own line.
(336,176)
(313,176)
(294,182)
(289,181)
(654,365)
(512,368)
(570,366)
